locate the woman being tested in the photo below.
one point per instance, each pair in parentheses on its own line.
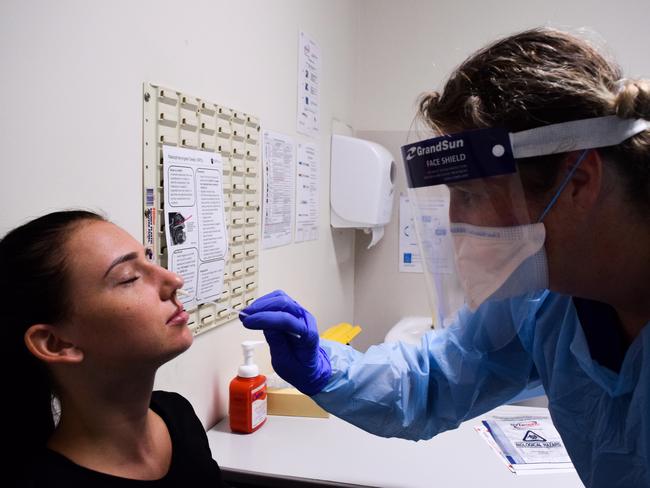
(89,319)
(543,166)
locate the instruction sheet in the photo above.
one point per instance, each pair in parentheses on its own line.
(437,243)
(195,228)
(279,169)
(309,73)
(410,260)
(307,214)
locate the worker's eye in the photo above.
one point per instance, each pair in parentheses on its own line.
(465,197)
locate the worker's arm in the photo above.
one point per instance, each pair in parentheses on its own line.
(402,390)
(415,392)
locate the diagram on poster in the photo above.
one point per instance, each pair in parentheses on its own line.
(410,260)
(309,73)
(307,214)
(278,159)
(194,222)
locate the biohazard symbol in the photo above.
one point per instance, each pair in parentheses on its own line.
(532,437)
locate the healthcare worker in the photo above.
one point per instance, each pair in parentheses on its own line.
(542,166)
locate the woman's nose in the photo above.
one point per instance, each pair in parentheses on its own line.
(171,282)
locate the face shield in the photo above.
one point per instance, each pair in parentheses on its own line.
(478,239)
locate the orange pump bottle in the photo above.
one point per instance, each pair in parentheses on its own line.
(247,408)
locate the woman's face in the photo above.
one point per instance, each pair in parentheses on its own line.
(124,307)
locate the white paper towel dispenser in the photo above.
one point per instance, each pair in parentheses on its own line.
(361,185)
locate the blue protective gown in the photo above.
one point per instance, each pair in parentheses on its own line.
(415,392)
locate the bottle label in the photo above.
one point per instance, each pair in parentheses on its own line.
(258,397)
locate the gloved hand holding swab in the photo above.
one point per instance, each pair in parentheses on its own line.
(241,314)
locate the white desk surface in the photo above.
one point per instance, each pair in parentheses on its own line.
(332,450)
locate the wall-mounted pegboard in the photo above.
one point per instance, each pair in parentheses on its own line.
(174,118)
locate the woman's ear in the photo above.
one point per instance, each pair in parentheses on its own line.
(45,342)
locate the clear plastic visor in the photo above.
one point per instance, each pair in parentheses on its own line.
(479,236)
(465,218)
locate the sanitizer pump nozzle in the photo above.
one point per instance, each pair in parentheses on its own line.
(249,369)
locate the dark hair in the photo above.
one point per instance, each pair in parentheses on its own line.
(33,284)
(541,77)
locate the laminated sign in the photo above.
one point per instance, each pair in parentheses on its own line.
(526,443)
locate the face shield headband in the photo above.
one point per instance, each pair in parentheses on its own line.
(476,237)
(489,152)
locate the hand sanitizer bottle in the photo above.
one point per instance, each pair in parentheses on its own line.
(247,409)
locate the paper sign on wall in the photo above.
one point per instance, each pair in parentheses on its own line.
(309,73)
(195,227)
(410,260)
(278,165)
(307,214)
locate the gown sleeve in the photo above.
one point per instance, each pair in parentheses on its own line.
(417,391)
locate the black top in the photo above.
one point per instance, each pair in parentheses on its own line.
(191,463)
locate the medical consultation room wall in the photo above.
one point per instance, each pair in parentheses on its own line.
(71,124)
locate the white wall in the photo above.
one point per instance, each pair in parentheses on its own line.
(409,47)
(383,295)
(71,76)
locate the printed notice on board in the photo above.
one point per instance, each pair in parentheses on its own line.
(437,243)
(410,260)
(195,228)
(309,73)
(307,214)
(278,165)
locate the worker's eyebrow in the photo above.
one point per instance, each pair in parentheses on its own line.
(122,259)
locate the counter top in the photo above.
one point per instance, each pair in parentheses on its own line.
(331,452)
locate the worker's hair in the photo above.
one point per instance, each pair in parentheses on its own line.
(35,290)
(540,77)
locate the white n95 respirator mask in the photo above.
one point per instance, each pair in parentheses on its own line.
(499,262)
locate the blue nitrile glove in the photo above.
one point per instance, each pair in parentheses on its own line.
(293,339)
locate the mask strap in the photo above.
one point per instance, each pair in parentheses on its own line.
(564,183)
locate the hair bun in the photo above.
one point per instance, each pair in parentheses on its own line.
(633,99)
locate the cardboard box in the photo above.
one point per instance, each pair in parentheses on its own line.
(289,401)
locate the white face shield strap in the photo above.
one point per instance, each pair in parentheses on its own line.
(477,239)
(424,159)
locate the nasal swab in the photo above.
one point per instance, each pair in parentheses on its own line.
(239,312)
(244,314)
(186,293)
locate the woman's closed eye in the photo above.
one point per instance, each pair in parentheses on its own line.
(129,281)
